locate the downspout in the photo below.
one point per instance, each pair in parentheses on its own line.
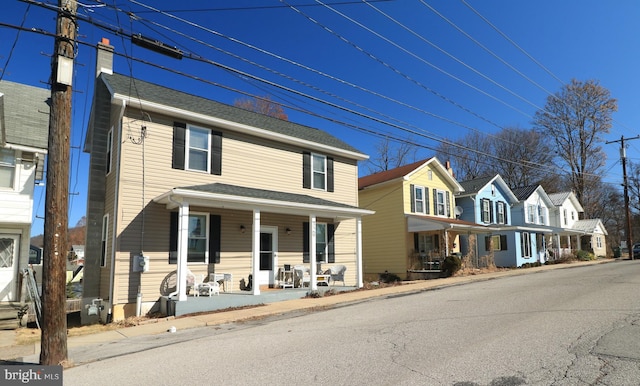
(112,271)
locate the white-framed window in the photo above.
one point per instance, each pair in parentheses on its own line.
(599,241)
(441,203)
(198,238)
(103,244)
(109,154)
(319,171)
(542,211)
(566,218)
(7,168)
(573,215)
(198,148)
(501,212)
(321,243)
(419,195)
(430,175)
(525,245)
(532,211)
(485,216)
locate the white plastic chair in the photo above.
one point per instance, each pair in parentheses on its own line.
(302,277)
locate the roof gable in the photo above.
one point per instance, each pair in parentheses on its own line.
(476,185)
(409,171)
(560,198)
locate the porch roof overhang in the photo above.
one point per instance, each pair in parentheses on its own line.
(417,223)
(568,231)
(226,196)
(528,228)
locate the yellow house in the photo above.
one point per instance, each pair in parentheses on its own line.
(415,224)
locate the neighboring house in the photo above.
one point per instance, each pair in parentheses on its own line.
(530,220)
(487,201)
(594,236)
(181,183)
(572,233)
(24,128)
(415,224)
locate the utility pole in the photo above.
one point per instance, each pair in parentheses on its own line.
(53,343)
(623,158)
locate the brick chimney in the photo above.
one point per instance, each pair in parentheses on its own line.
(104,60)
(447,165)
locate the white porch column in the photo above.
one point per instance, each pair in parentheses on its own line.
(183,240)
(255,252)
(312,253)
(359,274)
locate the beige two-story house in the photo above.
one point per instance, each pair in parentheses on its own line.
(182,184)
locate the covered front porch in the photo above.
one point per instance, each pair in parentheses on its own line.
(273,215)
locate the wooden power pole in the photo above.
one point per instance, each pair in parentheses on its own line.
(625,183)
(53,344)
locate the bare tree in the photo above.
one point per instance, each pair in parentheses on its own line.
(263,105)
(575,118)
(526,158)
(392,154)
(470,156)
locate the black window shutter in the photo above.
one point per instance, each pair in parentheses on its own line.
(173,238)
(416,242)
(216,153)
(413,198)
(506,211)
(448,203)
(305,242)
(329,174)
(426,200)
(214,238)
(179,132)
(503,242)
(435,202)
(491,217)
(331,230)
(487,243)
(306,170)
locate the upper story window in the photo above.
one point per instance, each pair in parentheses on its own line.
(485,214)
(319,166)
(573,215)
(502,213)
(532,211)
(7,168)
(196,148)
(441,202)
(317,172)
(542,214)
(198,145)
(418,202)
(109,151)
(566,218)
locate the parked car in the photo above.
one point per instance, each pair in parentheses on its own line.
(636,250)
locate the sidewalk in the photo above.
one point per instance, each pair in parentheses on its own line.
(101,345)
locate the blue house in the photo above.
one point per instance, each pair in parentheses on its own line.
(487,201)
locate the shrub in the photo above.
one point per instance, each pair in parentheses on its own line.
(451,265)
(584,255)
(387,277)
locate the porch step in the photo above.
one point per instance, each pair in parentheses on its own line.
(9,315)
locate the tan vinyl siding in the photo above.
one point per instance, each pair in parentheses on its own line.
(383,241)
(143,225)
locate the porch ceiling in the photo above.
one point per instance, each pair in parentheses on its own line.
(423,223)
(242,198)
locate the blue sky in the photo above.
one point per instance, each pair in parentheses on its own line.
(432,67)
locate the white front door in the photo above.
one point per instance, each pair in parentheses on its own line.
(9,248)
(268,255)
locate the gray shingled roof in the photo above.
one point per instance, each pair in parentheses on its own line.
(588,225)
(241,191)
(524,192)
(474,186)
(24,115)
(139,89)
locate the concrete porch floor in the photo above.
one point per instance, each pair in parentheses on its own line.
(236,299)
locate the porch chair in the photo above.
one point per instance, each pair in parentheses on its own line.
(200,286)
(337,273)
(301,276)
